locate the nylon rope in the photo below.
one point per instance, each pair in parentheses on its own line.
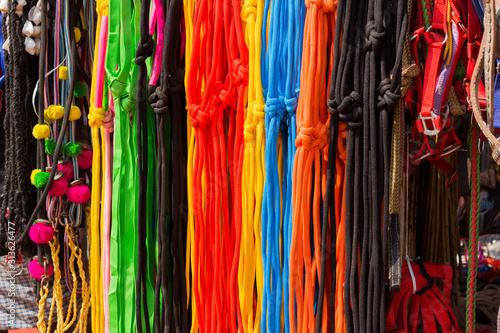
(251,267)
(472,244)
(310,159)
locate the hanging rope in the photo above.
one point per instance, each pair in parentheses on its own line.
(251,266)
(310,159)
(473,230)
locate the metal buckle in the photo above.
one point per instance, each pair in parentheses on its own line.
(445,35)
(429,131)
(450,149)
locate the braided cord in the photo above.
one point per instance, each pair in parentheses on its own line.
(473,230)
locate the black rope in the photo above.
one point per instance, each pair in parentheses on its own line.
(174,77)
(144,50)
(20,78)
(362,94)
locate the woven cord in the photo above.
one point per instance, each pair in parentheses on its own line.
(473,230)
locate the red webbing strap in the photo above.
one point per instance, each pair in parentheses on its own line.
(436,45)
(439,15)
(427,315)
(432,66)
(474,33)
(431,306)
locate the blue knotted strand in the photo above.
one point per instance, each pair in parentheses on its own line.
(280,70)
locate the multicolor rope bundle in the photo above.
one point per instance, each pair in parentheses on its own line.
(239,166)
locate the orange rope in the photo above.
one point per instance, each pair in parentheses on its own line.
(310,159)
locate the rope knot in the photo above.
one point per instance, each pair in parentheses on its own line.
(176,81)
(327,5)
(258,111)
(199,118)
(108,121)
(291,104)
(311,137)
(387,99)
(221,97)
(350,109)
(373,39)
(250,126)
(101,6)
(144,50)
(249,8)
(275,106)
(96,116)
(159,101)
(240,73)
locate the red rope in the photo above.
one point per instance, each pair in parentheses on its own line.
(219,63)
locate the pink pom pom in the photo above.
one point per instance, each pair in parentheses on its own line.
(59,187)
(67,168)
(78,194)
(37,271)
(85,159)
(41,233)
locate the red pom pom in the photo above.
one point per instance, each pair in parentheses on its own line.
(85,159)
(78,194)
(37,271)
(41,233)
(58,187)
(67,168)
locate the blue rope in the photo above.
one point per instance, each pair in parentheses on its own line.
(294,38)
(280,70)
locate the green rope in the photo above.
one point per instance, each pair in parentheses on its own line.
(473,230)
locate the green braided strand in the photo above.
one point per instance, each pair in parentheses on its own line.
(473,231)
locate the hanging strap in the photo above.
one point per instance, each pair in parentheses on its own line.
(427,303)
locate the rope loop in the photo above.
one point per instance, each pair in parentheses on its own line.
(96,116)
(144,50)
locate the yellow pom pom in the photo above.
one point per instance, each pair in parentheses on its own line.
(46,117)
(55,112)
(74,113)
(32,177)
(78,34)
(63,73)
(41,131)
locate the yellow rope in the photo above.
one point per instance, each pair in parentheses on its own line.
(189,7)
(72,308)
(96,115)
(56,288)
(250,270)
(44,292)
